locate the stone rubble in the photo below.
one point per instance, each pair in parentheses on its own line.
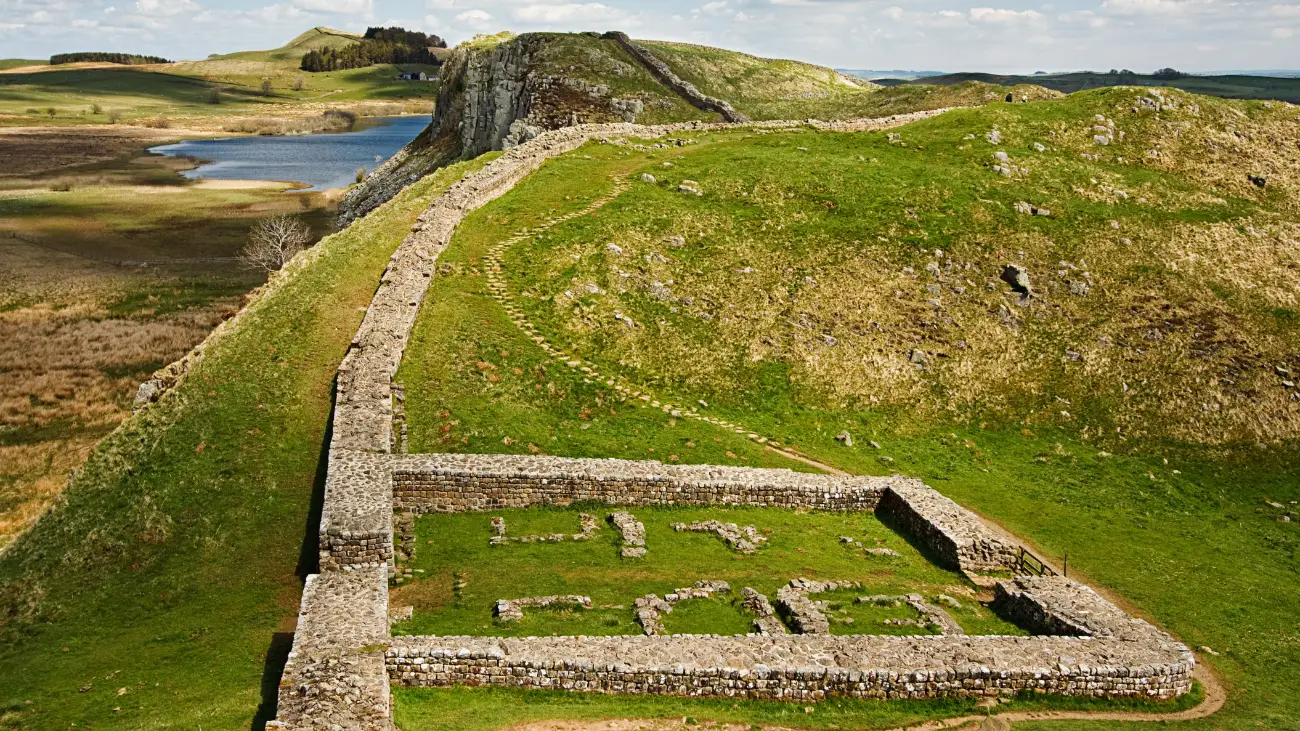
(590,526)
(651,608)
(632,532)
(512,610)
(744,539)
(803,613)
(766,623)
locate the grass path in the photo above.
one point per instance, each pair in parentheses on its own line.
(500,291)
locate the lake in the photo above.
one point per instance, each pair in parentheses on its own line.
(328,160)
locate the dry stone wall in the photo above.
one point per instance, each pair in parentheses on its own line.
(665,75)
(338,672)
(453,483)
(1132,659)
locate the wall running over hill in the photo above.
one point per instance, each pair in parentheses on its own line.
(339,670)
(665,75)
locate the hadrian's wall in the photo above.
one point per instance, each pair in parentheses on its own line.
(1116,656)
(665,75)
(339,670)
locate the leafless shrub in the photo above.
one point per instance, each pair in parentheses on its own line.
(274,241)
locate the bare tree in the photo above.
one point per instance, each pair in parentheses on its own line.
(274,241)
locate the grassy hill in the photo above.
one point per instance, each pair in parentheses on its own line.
(182,92)
(830,282)
(1227,86)
(1161,459)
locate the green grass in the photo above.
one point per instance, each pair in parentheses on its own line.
(459,576)
(1174,512)
(473,709)
(1226,86)
(172,569)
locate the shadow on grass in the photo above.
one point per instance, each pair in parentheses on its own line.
(277,655)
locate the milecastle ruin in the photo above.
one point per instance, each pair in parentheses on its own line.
(345,659)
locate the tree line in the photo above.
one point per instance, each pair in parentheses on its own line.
(129,59)
(378,46)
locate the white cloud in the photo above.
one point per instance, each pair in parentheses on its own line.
(568,13)
(1146,7)
(1003,16)
(164,8)
(477,19)
(341,7)
(1282,33)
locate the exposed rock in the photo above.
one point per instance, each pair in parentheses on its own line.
(1018,278)
(648,178)
(844,438)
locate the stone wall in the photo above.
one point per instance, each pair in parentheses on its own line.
(335,677)
(1129,659)
(453,483)
(665,75)
(951,533)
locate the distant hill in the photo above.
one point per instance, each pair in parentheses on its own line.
(284,59)
(1226,86)
(871,74)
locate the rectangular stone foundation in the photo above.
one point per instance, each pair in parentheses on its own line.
(1116,656)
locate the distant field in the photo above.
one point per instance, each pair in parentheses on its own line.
(181,94)
(109,269)
(1228,87)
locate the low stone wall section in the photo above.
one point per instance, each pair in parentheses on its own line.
(356,527)
(665,75)
(335,677)
(453,483)
(953,534)
(1138,661)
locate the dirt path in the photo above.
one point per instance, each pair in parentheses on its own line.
(1215,695)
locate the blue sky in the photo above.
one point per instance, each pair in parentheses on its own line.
(952,35)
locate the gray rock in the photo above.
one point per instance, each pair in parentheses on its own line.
(1018,278)
(844,438)
(648,178)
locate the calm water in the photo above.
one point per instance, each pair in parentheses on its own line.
(321,160)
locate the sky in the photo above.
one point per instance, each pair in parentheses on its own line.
(949,35)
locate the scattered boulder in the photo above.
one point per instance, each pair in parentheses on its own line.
(690,187)
(614,248)
(675,242)
(844,438)
(648,178)
(1030,209)
(1259,180)
(1018,278)
(994,136)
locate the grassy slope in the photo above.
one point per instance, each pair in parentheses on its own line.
(1181,531)
(600,61)
(778,89)
(1229,87)
(176,557)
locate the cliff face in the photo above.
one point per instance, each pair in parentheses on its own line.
(485,92)
(498,92)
